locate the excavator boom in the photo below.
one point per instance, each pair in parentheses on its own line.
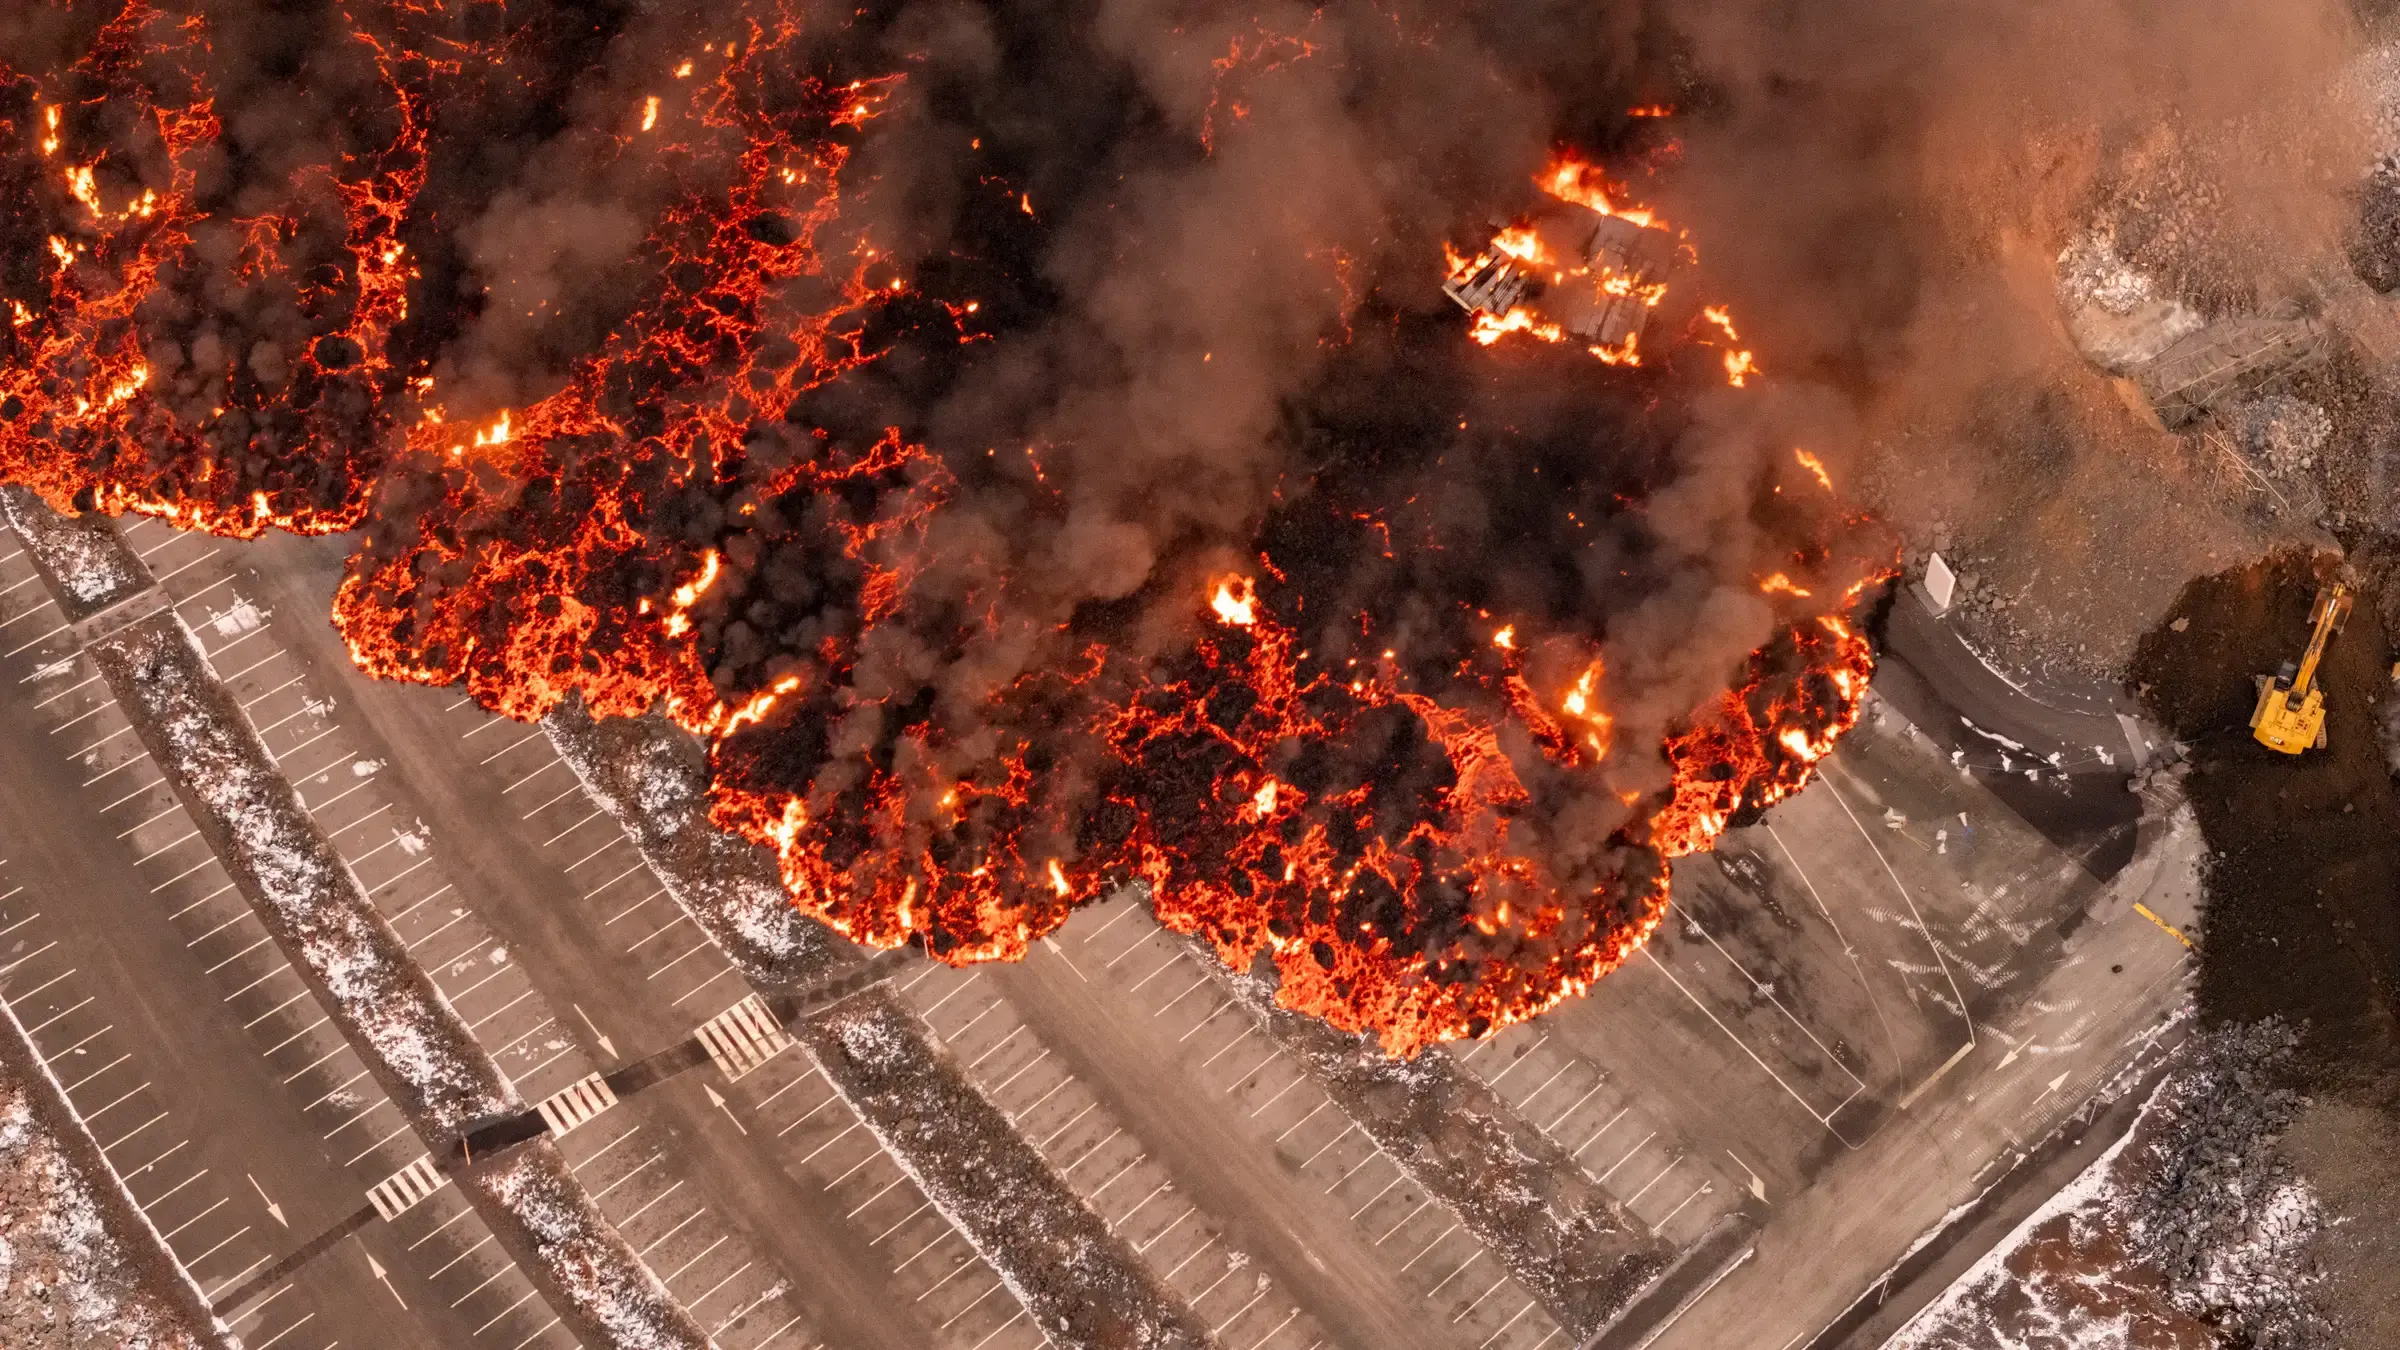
(2290,714)
(2332,607)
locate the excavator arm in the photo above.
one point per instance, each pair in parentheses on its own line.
(2332,607)
(2290,714)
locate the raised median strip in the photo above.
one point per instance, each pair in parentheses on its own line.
(83,1265)
(1085,1287)
(416,1046)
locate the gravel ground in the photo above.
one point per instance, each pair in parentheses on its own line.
(2194,1232)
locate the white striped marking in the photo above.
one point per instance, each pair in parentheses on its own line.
(400,1192)
(743,1037)
(576,1103)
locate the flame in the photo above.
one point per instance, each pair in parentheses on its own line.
(1739,364)
(1489,328)
(1627,353)
(1238,607)
(1571,179)
(1782,584)
(1212,762)
(698,586)
(1520,242)
(1582,703)
(1816,468)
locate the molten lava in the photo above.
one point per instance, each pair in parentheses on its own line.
(1445,833)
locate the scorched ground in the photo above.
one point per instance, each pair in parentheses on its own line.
(1015,505)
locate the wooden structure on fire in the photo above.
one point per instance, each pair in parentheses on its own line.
(1603,301)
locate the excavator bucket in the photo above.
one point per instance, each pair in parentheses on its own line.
(2335,599)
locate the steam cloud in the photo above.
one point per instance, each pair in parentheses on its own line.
(931,364)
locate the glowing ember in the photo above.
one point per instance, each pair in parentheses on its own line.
(1236,602)
(1433,820)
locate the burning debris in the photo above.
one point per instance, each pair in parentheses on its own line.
(1401,661)
(1579,268)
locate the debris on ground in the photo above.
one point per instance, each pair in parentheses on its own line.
(80,1267)
(2192,1232)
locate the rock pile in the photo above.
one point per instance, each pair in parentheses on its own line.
(2213,1204)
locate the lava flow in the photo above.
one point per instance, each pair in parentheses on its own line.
(1407,664)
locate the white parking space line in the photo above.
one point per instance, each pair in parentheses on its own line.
(1279,1105)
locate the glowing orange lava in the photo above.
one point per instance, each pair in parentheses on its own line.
(665,529)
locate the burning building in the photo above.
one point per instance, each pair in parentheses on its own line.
(1576,268)
(1593,276)
(1022,484)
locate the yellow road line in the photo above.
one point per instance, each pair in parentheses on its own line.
(2172,930)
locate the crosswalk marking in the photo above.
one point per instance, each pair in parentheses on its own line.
(400,1192)
(743,1037)
(576,1103)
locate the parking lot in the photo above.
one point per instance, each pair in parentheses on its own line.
(128,800)
(714,1272)
(1108,1166)
(1299,1129)
(219,1231)
(1781,1017)
(786,1105)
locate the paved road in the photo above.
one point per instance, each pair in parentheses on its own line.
(1787,1055)
(2000,984)
(2055,755)
(540,912)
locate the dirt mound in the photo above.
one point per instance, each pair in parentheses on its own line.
(2300,917)
(2303,910)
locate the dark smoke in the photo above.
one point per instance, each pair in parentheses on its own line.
(1202,244)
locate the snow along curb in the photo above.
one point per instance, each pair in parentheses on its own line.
(1085,1287)
(83,1264)
(414,1043)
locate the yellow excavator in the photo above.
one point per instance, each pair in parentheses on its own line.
(2290,715)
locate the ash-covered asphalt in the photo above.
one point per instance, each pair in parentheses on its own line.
(2058,756)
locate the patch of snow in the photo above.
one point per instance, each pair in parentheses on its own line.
(63,1279)
(236,619)
(587,1258)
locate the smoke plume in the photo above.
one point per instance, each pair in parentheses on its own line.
(1029,442)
